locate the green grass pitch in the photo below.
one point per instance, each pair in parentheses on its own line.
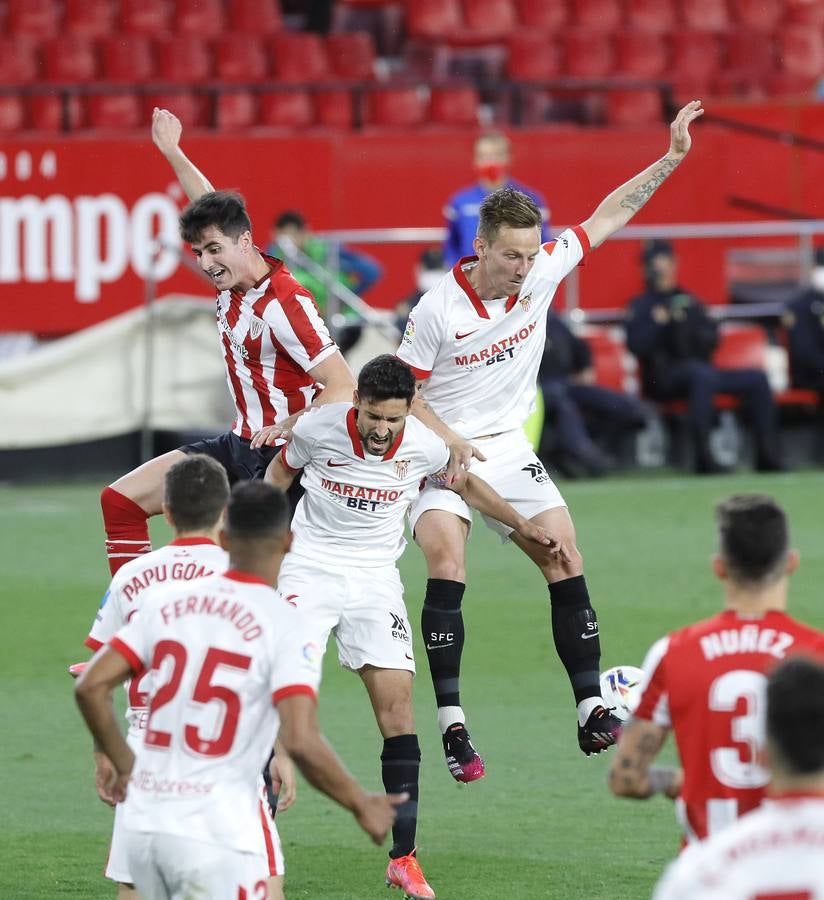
(541,824)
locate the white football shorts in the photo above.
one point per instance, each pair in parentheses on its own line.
(169,867)
(363,607)
(513,469)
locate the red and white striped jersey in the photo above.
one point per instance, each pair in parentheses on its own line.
(478,359)
(707,682)
(271,337)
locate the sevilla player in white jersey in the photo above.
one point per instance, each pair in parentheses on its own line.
(232,663)
(363,464)
(475,343)
(774,853)
(278,354)
(706,682)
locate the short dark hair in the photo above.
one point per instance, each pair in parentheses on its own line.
(225,210)
(290,217)
(653,248)
(386,378)
(507,206)
(753,537)
(196,491)
(256,509)
(795,715)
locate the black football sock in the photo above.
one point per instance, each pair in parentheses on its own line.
(443,635)
(400,762)
(575,631)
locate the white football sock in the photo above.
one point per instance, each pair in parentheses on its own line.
(585,708)
(449,715)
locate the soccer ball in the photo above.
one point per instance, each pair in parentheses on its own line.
(621,690)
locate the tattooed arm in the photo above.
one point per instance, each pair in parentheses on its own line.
(620,206)
(632,773)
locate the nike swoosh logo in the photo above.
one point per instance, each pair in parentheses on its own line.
(331,462)
(586,637)
(410,658)
(437,646)
(460,337)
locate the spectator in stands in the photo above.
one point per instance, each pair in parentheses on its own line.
(491,161)
(429,270)
(804,321)
(357,271)
(573,400)
(672,335)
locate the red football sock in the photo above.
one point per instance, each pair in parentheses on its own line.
(127,528)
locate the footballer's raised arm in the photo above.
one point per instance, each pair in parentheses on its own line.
(166,131)
(623,203)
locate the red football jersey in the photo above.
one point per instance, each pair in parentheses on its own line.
(707,682)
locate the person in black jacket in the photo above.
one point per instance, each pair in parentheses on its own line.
(804,321)
(574,404)
(672,335)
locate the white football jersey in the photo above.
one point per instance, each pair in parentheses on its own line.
(774,852)
(182,560)
(479,359)
(223,652)
(354,506)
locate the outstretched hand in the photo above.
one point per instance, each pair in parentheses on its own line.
(166,130)
(680,139)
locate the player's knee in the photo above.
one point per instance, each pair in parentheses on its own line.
(446,568)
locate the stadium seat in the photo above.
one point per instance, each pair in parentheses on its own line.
(334,109)
(741,347)
(433,19)
(787,84)
(183,60)
(532,56)
(640,54)
(750,63)
(705,15)
(18,61)
(240,58)
(638,107)
(543,16)
(12,115)
(70,59)
(128,59)
(33,18)
(46,113)
(489,20)
(89,18)
(299,58)
(598,15)
(200,18)
(758,15)
(396,107)
(351,55)
(150,17)
(806,12)
(236,110)
(115,111)
(258,17)
(801,51)
(696,60)
(454,106)
(610,358)
(651,15)
(286,109)
(588,54)
(189,108)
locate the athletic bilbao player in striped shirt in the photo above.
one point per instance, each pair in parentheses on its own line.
(279,356)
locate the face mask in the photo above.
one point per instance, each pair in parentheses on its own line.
(817,279)
(491,171)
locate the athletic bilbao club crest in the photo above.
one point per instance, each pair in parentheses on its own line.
(526,302)
(401,468)
(256,327)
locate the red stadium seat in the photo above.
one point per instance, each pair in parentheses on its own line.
(641,54)
(115,111)
(490,20)
(240,58)
(806,12)
(741,347)
(334,109)
(18,61)
(300,58)
(705,15)
(149,17)
(70,59)
(696,60)
(286,109)
(395,107)
(189,108)
(801,51)
(454,106)
(46,113)
(588,54)
(236,110)
(33,18)
(651,15)
(598,15)
(532,56)
(786,84)
(200,18)
(627,108)
(183,60)
(749,66)
(12,115)
(543,16)
(351,55)
(259,17)
(758,15)
(610,358)
(433,19)
(128,59)
(89,18)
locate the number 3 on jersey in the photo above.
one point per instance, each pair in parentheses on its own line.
(725,694)
(205,691)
